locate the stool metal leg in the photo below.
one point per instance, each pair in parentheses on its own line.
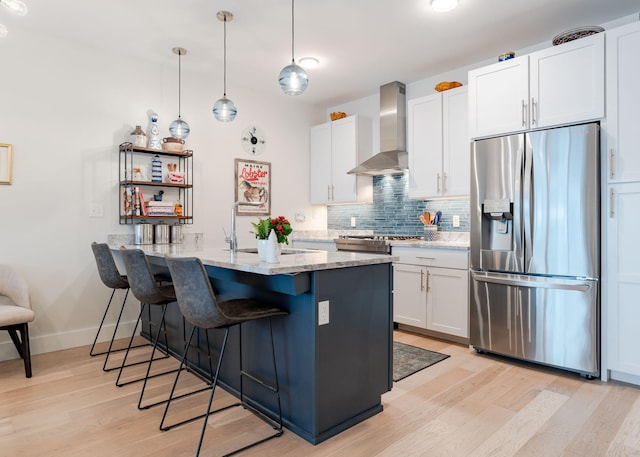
(163,427)
(115,330)
(161,328)
(213,390)
(126,354)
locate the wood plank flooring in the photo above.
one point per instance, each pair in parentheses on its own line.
(467,405)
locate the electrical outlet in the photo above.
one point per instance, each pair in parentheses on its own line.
(95,210)
(323,312)
(353,222)
(456,221)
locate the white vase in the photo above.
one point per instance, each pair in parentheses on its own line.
(263,247)
(273,248)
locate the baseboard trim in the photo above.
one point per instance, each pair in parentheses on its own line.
(59,341)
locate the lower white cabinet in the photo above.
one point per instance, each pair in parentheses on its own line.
(431,289)
(621,277)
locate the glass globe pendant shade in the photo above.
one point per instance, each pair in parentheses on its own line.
(293,79)
(224,110)
(179,129)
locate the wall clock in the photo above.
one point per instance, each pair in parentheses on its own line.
(253,140)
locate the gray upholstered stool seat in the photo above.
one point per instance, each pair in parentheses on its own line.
(16,312)
(199,306)
(146,289)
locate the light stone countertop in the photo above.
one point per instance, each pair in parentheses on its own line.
(291,260)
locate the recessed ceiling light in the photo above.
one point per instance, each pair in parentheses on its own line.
(442,6)
(309,62)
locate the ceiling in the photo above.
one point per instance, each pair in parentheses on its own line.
(361,44)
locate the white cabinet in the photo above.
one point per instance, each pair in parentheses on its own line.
(438,144)
(430,289)
(563,84)
(623,100)
(335,148)
(621,218)
(409,295)
(622,281)
(498,97)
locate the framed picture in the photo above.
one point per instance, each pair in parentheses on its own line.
(5,163)
(253,187)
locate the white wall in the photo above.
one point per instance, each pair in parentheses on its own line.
(65,108)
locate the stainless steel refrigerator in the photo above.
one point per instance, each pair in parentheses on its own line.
(535,247)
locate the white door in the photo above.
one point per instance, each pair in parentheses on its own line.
(424,146)
(567,82)
(409,295)
(623,101)
(456,150)
(320,164)
(498,98)
(622,278)
(344,150)
(447,301)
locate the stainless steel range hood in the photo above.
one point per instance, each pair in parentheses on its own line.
(392,158)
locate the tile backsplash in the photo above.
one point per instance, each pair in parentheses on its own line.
(393,212)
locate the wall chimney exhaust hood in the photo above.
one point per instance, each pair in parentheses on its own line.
(392,158)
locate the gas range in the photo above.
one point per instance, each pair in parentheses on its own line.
(378,244)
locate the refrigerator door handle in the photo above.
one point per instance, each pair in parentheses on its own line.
(527,204)
(539,282)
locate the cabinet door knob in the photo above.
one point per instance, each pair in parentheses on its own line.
(438,175)
(524,114)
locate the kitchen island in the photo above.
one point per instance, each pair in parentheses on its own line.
(331,375)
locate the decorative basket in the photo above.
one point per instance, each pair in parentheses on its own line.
(446,85)
(337,115)
(575,34)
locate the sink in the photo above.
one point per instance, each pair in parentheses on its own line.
(284,251)
(255,251)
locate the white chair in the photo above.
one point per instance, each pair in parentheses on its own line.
(16,312)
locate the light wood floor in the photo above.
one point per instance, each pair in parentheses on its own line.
(466,405)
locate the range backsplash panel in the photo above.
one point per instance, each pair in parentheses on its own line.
(393,212)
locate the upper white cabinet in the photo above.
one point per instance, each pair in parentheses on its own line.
(335,148)
(438,144)
(498,97)
(560,85)
(623,100)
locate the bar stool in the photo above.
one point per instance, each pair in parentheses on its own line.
(198,305)
(145,288)
(111,278)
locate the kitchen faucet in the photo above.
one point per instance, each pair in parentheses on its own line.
(233,239)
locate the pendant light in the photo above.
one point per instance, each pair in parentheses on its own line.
(179,129)
(224,110)
(293,79)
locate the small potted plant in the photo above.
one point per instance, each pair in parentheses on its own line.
(280,226)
